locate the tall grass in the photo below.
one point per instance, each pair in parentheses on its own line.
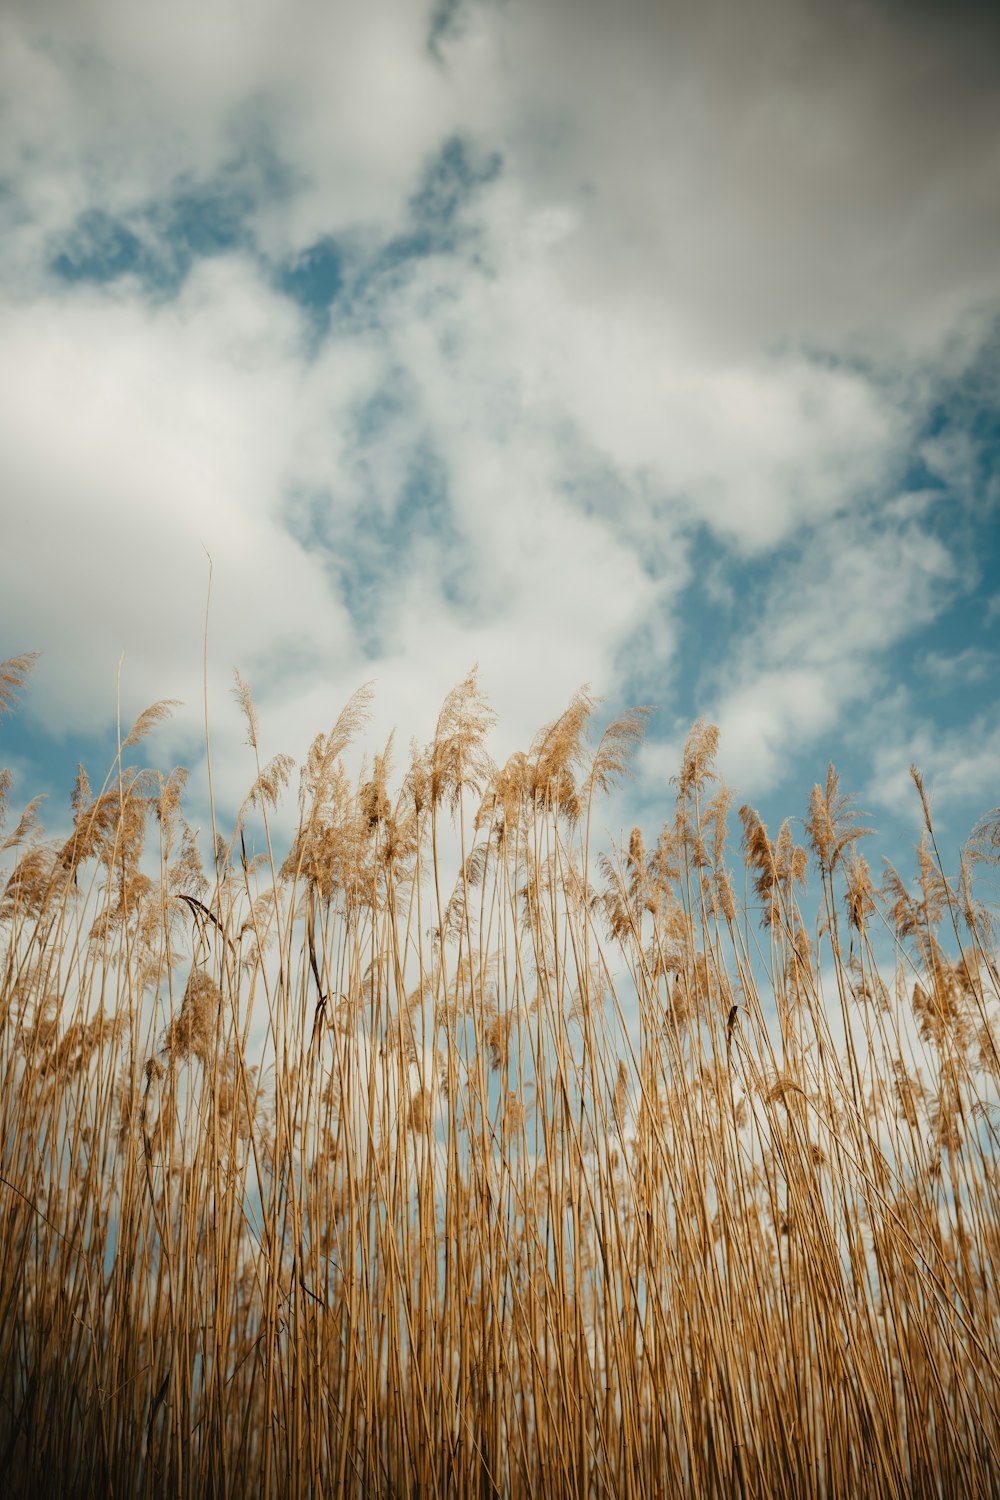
(443,1152)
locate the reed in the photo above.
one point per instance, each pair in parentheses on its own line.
(330,1169)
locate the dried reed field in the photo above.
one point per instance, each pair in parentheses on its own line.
(444,1152)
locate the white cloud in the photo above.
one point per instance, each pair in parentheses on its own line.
(181,429)
(960,768)
(815,651)
(691,206)
(953,669)
(133,441)
(111,102)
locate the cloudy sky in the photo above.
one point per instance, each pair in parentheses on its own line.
(649,346)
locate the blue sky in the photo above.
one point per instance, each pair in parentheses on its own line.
(652,350)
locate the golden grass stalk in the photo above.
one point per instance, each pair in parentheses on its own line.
(562,1172)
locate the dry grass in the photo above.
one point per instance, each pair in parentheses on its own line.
(329,1171)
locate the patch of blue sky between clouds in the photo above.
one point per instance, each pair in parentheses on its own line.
(46,765)
(314,279)
(343,279)
(932,675)
(445,21)
(962,430)
(458,172)
(383,535)
(438,225)
(158,242)
(157,246)
(342,275)
(954,476)
(374,543)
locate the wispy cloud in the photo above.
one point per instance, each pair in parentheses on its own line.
(960,767)
(952,669)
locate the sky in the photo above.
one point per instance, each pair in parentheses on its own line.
(650,346)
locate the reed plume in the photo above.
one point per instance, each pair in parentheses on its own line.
(450,1151)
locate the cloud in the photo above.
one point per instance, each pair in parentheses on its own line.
(467,331)
(974,664)
(354,100)
(960,767)
(812,651)
(203,425)
(795,167)
(135,439)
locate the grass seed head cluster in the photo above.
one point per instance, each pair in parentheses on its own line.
(448,1151)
